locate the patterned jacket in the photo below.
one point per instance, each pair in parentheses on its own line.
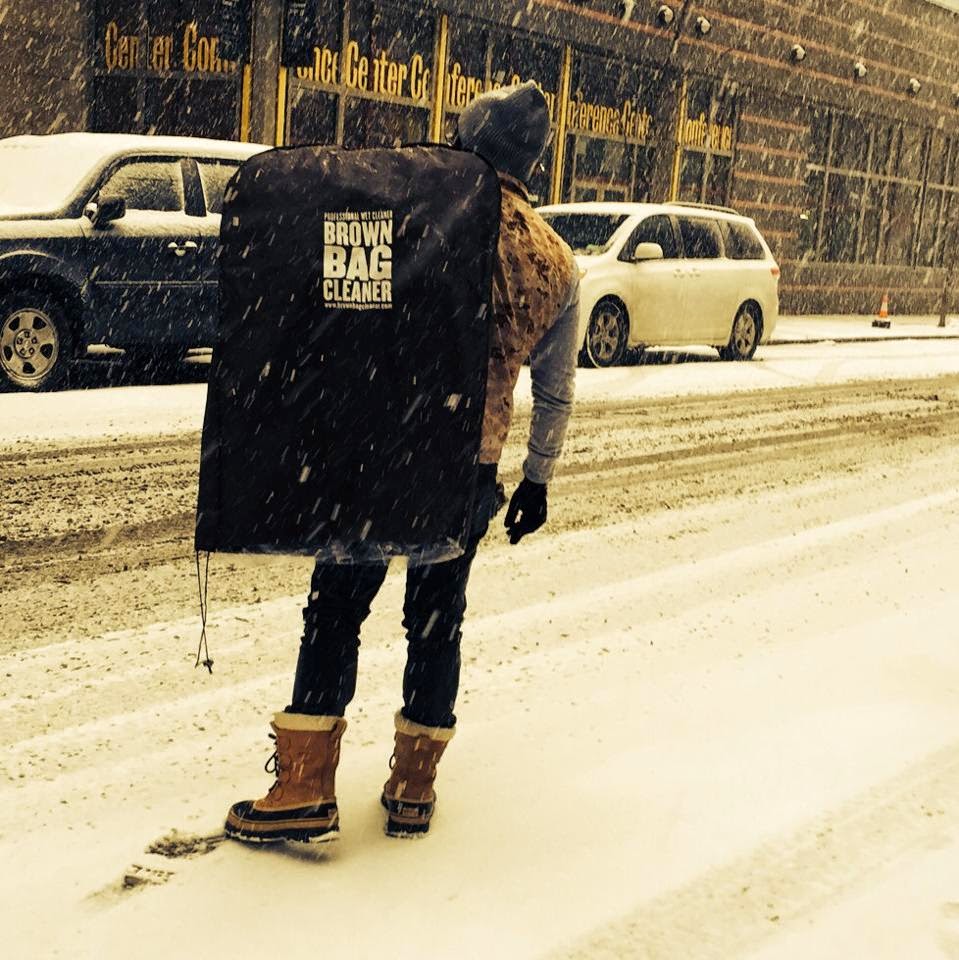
(535,315)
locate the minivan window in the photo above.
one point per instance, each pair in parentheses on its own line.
(147,185)
(701,239)
(586,233)
(658,229)
(742,243)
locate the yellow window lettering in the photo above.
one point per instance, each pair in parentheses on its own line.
(201,53)
(161,52)
(356,68)
(327,62)
(121,51)
(322,69)
(419,78)
(389,77)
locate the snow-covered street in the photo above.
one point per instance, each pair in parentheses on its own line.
(710,711)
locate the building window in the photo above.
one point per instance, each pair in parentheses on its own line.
(707,135)
(866,196)
(374,89)
(939,229)
(373,124)
(609,124)
(161,69)
(483,58)
(313,53)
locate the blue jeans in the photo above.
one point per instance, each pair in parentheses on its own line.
(433,610)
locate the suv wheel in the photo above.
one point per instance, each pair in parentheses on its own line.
(36,344)
(606,336)
(745,334)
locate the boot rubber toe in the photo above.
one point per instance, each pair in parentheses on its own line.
(314,823)
(405,818)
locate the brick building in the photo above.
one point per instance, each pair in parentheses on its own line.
(836,126)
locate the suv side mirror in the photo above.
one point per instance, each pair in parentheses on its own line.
(106,211)
(647,251)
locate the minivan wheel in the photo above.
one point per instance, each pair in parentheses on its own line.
(36,344)
(606,335)
(745,334)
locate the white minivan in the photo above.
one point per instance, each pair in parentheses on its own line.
(665,274)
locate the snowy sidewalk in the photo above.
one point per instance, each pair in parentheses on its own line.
(810,328)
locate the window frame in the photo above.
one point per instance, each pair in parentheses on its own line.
(230,162)
(127,160)
(631,241)
(692,218)
(726,229)
(720,92)
(883,180)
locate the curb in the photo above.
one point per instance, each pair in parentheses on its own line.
(776,342)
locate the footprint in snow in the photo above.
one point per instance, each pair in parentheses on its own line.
(153,869)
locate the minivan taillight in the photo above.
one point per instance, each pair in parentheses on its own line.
(774,270)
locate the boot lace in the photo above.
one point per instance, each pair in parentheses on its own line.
(272,765)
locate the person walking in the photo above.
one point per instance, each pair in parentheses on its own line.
(535,315)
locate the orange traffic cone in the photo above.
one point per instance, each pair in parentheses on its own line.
(882,318)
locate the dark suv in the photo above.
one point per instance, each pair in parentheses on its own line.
(107,238)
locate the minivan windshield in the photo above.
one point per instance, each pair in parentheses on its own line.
(589,234)
(38,176)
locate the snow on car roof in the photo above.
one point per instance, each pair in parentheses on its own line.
(102,145)
(622,208)
(42,173)
(600,207)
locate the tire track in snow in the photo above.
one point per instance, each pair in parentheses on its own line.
(93,707)
(731,910)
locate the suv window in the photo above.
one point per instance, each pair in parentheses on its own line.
(742,242)
(701,238)
(215,175)
(147,185)
(658,229)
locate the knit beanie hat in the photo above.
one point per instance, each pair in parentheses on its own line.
(509,127)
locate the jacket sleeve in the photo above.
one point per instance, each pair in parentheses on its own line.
(553,373)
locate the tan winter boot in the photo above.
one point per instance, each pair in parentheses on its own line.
(301,804)
(408,795)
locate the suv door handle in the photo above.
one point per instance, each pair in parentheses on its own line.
(181,248)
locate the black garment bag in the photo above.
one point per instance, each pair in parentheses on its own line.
(348,380)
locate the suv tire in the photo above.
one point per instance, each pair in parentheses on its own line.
(36,342)
(606,335)
(745,334)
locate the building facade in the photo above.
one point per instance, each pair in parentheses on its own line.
(835,126)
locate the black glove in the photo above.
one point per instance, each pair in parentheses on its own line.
(527,510)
